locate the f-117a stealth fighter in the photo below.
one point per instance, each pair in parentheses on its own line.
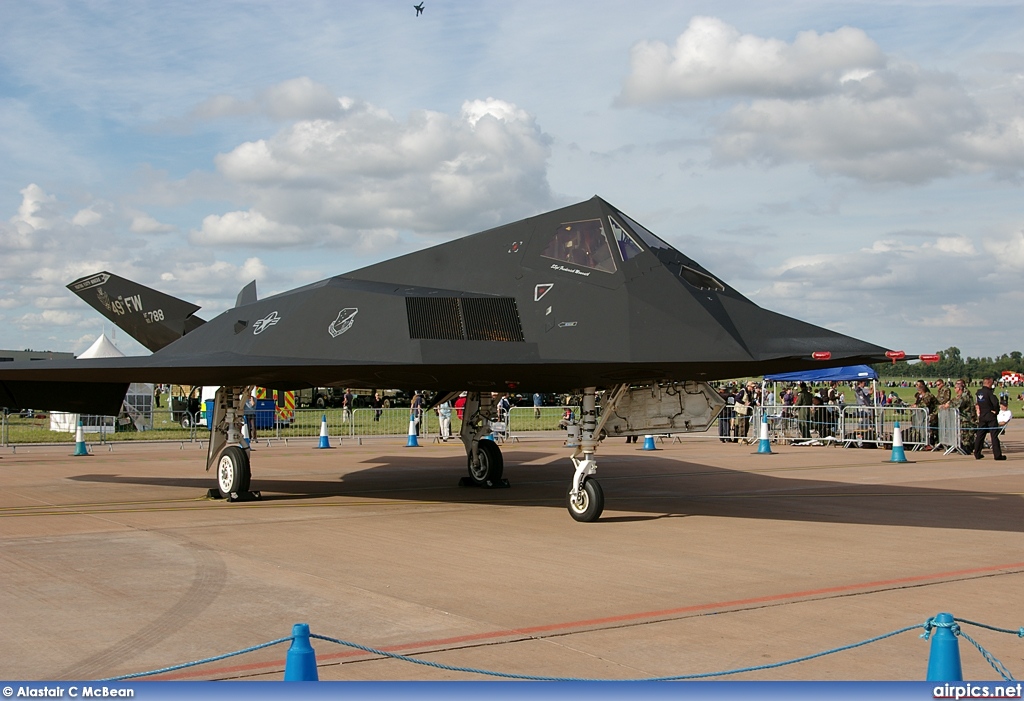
(577,299)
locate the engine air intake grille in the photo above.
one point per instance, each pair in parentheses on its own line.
(464,319)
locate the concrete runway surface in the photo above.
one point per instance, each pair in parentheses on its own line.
(709,557)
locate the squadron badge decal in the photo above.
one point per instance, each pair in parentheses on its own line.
(346,317)
(265,323)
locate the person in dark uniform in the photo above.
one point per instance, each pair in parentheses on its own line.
(924,399)
(725,418)
(988,408)
(804,401)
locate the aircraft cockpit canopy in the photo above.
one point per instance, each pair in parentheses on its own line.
(588,244)
(672,258)
(583,244)
(628,247)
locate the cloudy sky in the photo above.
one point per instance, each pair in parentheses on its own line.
(854,164)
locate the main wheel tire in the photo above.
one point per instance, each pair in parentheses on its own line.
(589,504)
(491,464)
(233,473)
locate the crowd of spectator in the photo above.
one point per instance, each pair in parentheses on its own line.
(816,409)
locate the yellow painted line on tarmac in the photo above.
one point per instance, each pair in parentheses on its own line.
(11,509)
(216,503)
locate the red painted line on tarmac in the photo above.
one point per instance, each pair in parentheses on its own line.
(596,622)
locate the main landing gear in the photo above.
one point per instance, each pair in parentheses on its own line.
(483,456)
(228,456)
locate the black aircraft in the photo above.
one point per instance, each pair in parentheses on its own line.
(577,299)
(419,9)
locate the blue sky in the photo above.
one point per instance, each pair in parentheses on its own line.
(857,165)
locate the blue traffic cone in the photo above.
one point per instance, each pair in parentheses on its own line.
(300,664)
(764,446)
(80,448)
(898,454)
(324,443)
(412,442)
(649,443)
(944,656)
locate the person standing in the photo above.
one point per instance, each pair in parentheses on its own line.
(804,400)
(726,415)
(965,405)
(942,394)
(444,419)
(988,409)
(746,399)
(346,405)
(926,400)
(538,401)
(417,409)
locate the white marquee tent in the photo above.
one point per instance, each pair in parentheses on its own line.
(137,407)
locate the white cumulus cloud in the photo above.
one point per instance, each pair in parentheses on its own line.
(899,285)
(712,59)
(834,101)
(358,179)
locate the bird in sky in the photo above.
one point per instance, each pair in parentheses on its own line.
(419,9)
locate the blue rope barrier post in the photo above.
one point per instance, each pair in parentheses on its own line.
(944,657)
(300,664)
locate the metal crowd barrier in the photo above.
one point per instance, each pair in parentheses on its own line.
(865,425)
(522,419)
(358,423)
(950,432)
(850,425)
(817,424)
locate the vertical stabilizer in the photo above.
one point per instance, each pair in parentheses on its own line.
(152,318)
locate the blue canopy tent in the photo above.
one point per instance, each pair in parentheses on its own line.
(849,373)
(843,374)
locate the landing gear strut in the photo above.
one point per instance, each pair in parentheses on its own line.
(586,498)
(228,454)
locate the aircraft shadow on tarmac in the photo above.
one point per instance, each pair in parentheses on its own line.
(650,487)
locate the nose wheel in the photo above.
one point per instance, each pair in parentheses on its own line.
(587,503)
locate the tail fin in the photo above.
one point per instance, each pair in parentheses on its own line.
(152,318)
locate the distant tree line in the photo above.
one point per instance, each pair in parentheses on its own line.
(951,364)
